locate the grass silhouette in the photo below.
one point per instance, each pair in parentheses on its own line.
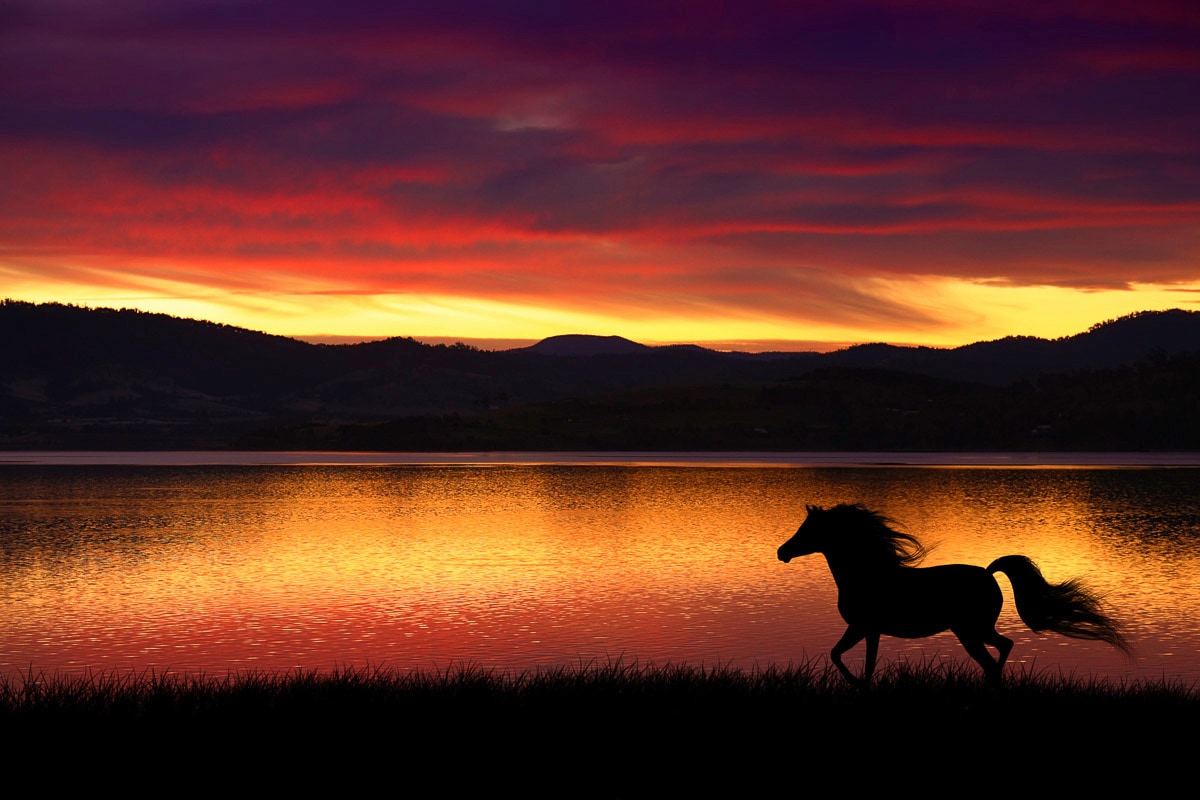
(671,726)
(628,685)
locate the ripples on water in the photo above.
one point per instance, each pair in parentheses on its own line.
(218,567)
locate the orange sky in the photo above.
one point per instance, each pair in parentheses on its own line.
(798,173)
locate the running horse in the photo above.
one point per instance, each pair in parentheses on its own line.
(881,591)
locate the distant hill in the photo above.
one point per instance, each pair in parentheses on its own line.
(76,377)
(1118,342)
(583,345)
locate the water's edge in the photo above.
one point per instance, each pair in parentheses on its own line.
(1089,460)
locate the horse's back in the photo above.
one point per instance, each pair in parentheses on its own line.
(913,602)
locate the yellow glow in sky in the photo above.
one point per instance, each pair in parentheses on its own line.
(959,312)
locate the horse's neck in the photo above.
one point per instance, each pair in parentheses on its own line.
(851,571)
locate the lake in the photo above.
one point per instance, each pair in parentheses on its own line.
(217,561)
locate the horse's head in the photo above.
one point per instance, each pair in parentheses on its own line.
(808,539)
(850,530)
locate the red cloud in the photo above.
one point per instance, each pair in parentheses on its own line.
(717,161)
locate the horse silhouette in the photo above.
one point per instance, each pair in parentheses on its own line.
(881,591)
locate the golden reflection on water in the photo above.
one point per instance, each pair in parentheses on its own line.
(212,568)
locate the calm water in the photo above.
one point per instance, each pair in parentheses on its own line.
(217,566)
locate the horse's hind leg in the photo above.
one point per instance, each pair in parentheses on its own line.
(1003,645)
(975,649)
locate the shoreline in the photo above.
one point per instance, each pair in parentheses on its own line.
(879,459)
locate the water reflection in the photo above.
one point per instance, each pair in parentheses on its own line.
(213,567)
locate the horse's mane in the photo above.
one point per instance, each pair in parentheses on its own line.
(876,537)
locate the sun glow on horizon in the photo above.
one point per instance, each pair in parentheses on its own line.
(966,312)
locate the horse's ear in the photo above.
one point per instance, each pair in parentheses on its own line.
(808,508)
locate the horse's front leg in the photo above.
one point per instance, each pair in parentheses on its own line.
(851,637)
(872,652)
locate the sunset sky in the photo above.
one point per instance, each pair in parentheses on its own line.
(739,173)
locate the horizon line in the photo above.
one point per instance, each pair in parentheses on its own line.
(500,344)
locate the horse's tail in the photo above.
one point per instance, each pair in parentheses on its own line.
(1067,608)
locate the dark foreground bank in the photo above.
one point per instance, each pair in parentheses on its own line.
(603,725)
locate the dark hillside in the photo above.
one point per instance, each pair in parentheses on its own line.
(1115,343)
(99,378)
(64,344)
(78,377)
(1146,407)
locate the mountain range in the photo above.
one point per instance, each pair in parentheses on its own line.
(74,377)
